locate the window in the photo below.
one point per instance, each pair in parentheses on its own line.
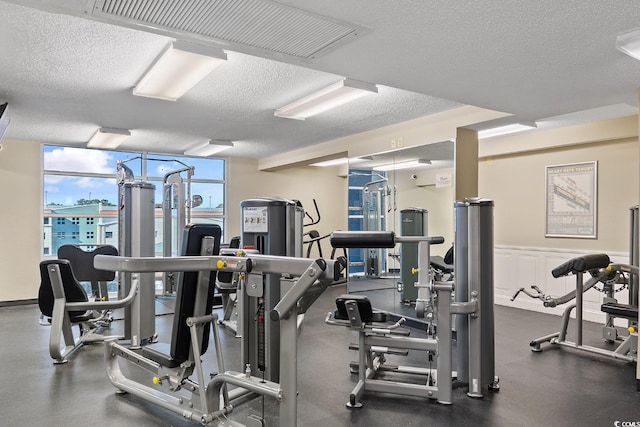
(81,192)
(46,251)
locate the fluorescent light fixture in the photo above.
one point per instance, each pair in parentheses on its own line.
(403,165)
(180,67)
(336,162)
(629,43)
(108,138)
(504,130)
(325,99)
(208,148)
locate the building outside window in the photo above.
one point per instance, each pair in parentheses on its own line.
(81,193)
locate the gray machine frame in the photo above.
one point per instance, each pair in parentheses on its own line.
(135,236)
(280,233)
(609,274)
(473,305)
(198,401)
(62,342)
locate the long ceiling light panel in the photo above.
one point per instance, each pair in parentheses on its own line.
(629,43)
(403,165)
(337,162)
(108,138)
(180,67)
(505,130)
(325,99)
(208,148)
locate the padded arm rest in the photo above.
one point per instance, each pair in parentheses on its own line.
(581,264)
(363,239)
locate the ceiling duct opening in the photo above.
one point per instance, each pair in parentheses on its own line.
(260,27)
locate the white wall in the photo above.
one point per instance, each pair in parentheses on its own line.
(21,220)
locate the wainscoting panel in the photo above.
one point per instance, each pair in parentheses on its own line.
(520,267)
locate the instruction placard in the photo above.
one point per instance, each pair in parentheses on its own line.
(255,219)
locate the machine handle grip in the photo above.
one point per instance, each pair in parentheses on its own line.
(298,290)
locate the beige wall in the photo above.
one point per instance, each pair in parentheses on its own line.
(515,181)
(303,183)
(517,185)
(21,220)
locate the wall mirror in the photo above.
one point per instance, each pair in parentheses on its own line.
(405,191)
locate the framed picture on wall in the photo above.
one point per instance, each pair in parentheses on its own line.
(572,200)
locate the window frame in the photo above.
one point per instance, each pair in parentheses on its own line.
(93,218)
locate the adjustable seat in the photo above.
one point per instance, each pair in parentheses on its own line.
(364,309)
(82,266)
(73,291)
(64,303)
(58,288)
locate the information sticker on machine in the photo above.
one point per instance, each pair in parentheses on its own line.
(255,219)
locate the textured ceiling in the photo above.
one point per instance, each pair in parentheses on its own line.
(64,75)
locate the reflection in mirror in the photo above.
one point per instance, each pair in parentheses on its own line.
(409,192)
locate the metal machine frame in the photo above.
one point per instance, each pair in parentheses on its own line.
(602,272)
(61,320)
(473,305)
(198,401)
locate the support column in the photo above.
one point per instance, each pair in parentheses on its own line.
(466,164)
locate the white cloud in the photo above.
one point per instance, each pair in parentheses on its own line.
(79,160)
(163,169)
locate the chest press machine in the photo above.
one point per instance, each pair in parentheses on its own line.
(473,305)
(202,400)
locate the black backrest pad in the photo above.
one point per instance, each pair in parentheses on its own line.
(82,262)
(72,290)
(364,307)
(186,291)
(227,276)
(581,264)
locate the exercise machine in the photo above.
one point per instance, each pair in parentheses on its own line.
(473,306)
(607,275)
(64,303)
(413,222)
(374,195)
(177,203)
(608,278)
(136,229)
(270,226)
(206,400)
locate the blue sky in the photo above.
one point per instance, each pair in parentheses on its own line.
(67,190)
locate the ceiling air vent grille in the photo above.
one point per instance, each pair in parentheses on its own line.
(242,25)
